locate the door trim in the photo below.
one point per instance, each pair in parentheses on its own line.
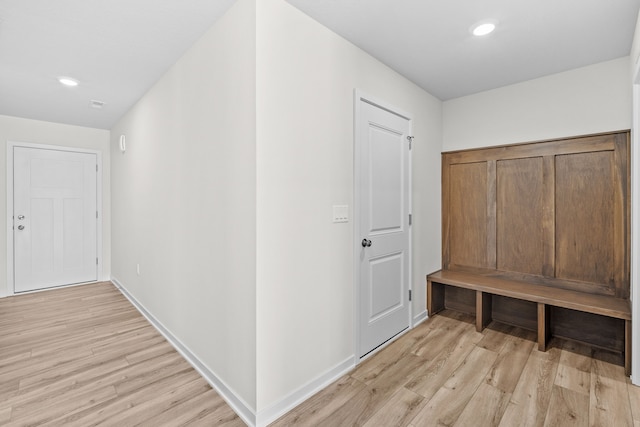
(10,258)
(361,96)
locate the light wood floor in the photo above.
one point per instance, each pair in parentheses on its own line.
(83,356)
(444,373)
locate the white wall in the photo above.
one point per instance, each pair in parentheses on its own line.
(586,100)
(306,76)
(635,46)
(635,205)
(184,201)
(38,132)
(223,197)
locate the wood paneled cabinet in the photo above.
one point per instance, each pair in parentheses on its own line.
(553,213)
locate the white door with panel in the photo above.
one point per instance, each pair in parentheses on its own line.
(383,168)
(54,218)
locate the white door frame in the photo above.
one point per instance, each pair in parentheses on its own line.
(10,231)
(359,95)
(635,230)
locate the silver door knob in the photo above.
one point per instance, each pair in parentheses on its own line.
(20,216)
(366,243)
(21,227)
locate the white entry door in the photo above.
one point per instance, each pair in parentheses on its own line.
(54,218)
(383,168)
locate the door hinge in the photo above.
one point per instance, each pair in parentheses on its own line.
(410,219)
(96,168)
(96,261)
(96,214)
(409,294)
(410,139)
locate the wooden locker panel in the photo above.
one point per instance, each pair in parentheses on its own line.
(519,218)
(468,215)
(460,299)
(585,212)
(622,220)
(600,331)
(516,312)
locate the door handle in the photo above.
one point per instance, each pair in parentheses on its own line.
(20,216)
(366,243)
(21,227)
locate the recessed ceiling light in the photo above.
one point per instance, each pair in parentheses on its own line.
(68,81)
(483,28)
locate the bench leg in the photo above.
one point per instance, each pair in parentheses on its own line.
(543,326)
(435,297)
(483,310)
(627,347)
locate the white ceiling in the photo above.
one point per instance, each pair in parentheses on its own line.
(118,49)
(429,42)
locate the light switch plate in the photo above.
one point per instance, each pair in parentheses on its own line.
(340,213)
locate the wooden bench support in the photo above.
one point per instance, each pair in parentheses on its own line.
(435,297)
(483,310)
(627,347)
(544,328)
(545,297)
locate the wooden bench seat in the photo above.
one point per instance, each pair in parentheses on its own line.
(544,296)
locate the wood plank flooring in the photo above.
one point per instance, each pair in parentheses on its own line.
(444,373)
(84,356)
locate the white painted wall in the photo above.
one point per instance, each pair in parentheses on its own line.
(306,76)
(224,195)
(184,201)
(38,132)
(635,46)
(635,206)
(586,100)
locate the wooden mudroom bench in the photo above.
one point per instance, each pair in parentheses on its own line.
(537,235)
(544,296)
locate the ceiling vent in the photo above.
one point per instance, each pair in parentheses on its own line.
(96,104)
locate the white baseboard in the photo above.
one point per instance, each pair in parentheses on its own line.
(236,403)
(421,317)
(275,411)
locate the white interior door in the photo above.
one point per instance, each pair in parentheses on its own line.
(54,218)
(382,150)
